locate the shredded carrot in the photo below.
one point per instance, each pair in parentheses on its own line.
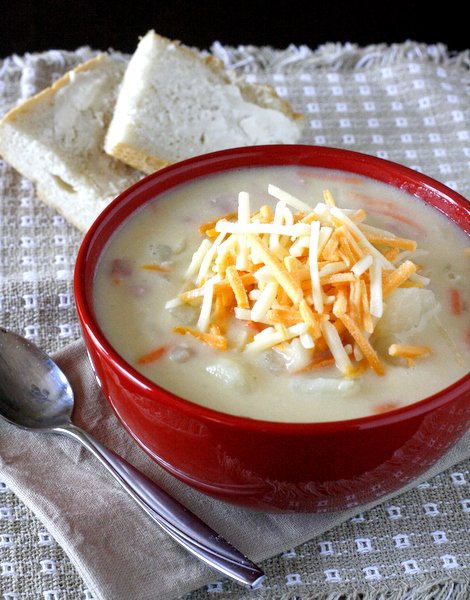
(152,356)
(385,407)
(388,210)
(456,304)
(354,179)
(158,268)
(398,217)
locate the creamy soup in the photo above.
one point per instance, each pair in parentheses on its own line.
(289,294)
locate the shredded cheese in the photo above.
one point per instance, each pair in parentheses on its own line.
(308,279)
(288,199)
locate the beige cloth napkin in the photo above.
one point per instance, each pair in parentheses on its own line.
(121,553)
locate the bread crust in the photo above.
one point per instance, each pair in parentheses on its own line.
(25,107)
(139,160)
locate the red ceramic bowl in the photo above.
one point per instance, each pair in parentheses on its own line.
(270,466)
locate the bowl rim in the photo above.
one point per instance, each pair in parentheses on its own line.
(152,185)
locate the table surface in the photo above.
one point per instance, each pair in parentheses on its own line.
(410,104)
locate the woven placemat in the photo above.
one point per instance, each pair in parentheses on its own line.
(408,103)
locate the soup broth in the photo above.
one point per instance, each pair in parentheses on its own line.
(415,339)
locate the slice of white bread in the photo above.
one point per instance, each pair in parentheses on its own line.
(174,104)
(56,138)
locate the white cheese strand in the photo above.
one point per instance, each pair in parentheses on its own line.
(362,265)
(313,260)
(265,301)
(244,211)
(376,296)
(206,307)
(339,214)
(244,314)
(197,258)
(331,268)
(209,257)
(331,335)
(278,220)
(324,236)
(270,337)
(294,230)
(289,199)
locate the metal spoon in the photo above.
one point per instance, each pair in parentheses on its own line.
(36,395)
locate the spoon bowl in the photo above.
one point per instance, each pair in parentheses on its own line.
(36,395)
(26,401)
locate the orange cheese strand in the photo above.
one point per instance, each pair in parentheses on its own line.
(211,224)
(237,286)
(363,343)
(397,277)
(408,351)
(214,340)
(279,271)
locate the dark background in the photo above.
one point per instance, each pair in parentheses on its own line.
(36,25)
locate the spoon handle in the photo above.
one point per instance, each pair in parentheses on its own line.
(180,523)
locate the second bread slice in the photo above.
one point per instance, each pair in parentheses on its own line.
(174,104)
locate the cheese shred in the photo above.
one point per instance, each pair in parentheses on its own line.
(301,277)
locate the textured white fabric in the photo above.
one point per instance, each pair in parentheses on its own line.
(407,103)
